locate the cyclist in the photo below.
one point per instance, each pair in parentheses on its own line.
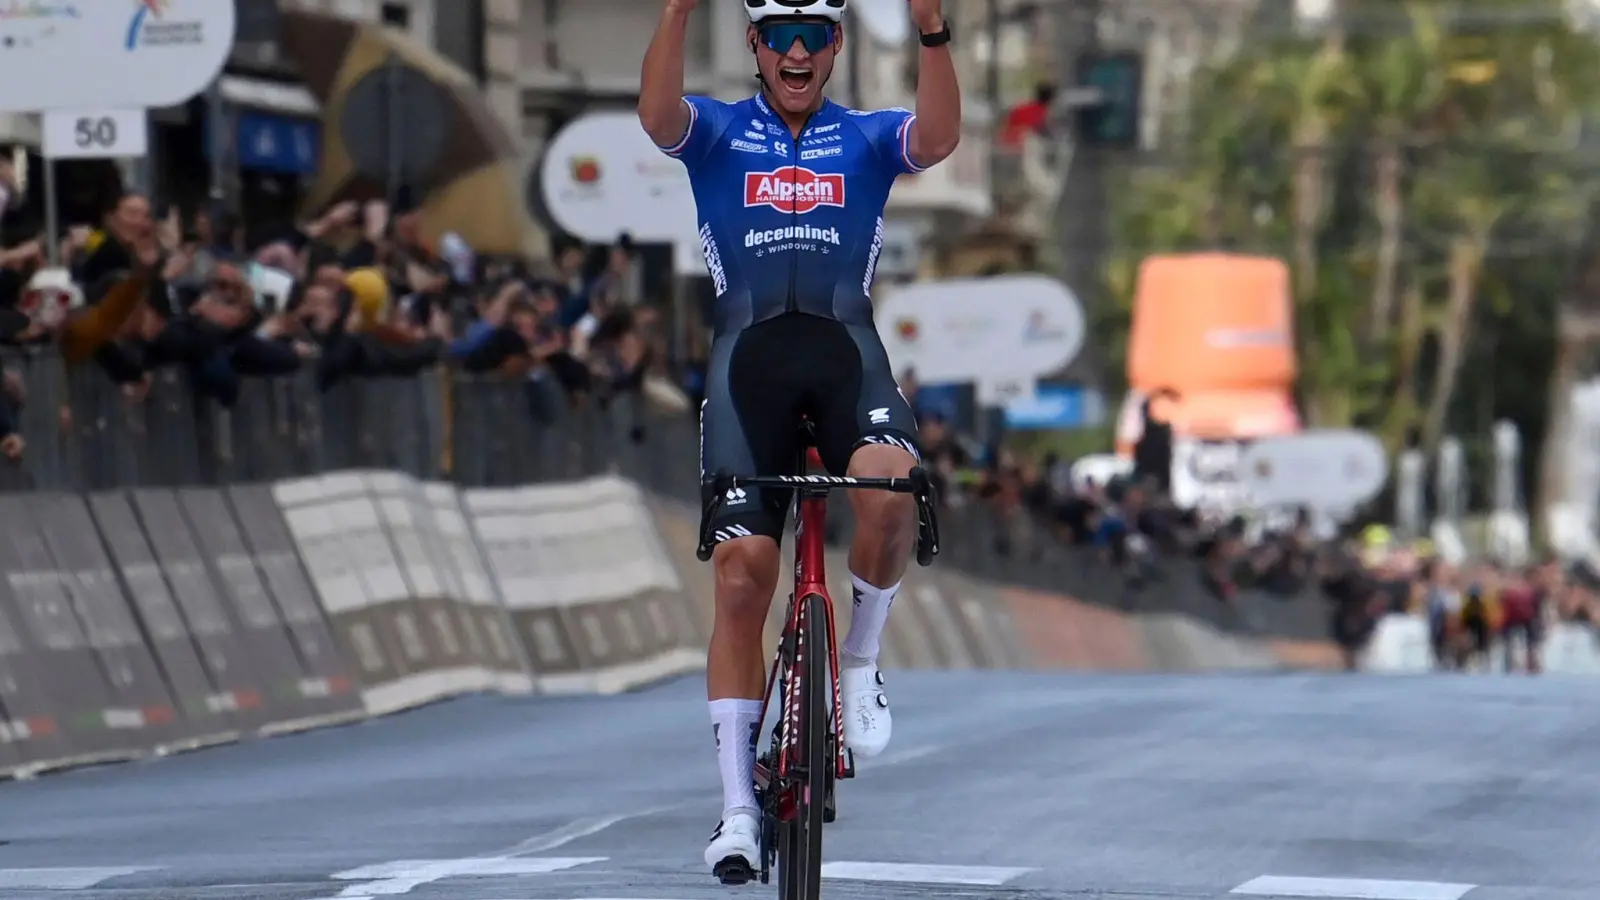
(790,189)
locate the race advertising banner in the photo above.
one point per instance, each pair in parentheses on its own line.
(1332,471)
(120,53)
(989,332)
(602,175)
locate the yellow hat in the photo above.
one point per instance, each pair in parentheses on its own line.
(1375,536)
(370,293)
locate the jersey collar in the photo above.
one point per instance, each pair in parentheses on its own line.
(822,115)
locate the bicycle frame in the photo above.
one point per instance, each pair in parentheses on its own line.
(810,584)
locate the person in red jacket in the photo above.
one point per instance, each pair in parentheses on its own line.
(1028,118)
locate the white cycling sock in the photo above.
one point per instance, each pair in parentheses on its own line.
(737,726)
(866,622)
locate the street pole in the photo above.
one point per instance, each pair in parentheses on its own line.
(52,213)
(996,166)
(396,178)
(221,146)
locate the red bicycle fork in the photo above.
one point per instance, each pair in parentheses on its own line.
(810,583)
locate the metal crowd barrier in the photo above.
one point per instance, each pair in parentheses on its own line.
(84,434)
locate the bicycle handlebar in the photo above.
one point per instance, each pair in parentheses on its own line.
(917,484)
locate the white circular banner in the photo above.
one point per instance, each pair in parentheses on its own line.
(984,331)
(1322,469)
(66,54)
(602,175)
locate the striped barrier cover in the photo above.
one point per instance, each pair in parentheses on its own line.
(137,623)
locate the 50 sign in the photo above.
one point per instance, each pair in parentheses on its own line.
(92,133)
(95,134)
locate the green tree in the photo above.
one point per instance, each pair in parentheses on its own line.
(1416,165)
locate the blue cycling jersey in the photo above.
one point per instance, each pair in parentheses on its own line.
(786,224)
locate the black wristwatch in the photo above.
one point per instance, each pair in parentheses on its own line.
(938,38)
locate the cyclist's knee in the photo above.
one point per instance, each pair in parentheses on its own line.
(747,574)
(881,511)
(881,461)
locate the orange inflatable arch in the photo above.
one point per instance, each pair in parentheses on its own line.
(1218,328)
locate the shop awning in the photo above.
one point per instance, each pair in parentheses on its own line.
(455,152)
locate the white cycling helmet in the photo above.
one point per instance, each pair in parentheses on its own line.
(762,10)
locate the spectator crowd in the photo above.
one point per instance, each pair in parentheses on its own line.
(1361,573)
(357,292)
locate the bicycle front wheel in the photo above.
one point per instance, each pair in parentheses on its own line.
(800,849)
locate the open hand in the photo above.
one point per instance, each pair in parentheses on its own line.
(927,15)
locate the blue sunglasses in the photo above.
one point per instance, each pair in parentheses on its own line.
(780,36)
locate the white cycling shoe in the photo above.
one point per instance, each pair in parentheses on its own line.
(867,721)
(735,849)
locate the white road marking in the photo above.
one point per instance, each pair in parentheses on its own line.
(67,879)
(405,875)
(912,873)
(1352,888)
(572,831)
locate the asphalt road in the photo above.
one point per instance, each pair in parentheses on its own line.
(1026,786)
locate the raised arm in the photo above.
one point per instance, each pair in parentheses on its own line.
(662,111)
(937,128)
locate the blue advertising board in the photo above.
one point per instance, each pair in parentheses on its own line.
(1057,406)
(283,144)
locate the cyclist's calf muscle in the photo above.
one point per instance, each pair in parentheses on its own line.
(746,579)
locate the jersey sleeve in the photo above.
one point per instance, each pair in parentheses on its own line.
(893,140)
(707,119)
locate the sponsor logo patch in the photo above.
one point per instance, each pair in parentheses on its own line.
(821,152)
(793,189)
(746,147)
(757,237)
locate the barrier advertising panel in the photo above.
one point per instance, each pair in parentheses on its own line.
(64,706)
(506,659)
(594,596)
(206,718)
(452,655)
(341,534)
(237,687)
(29,731)
(263,529)
(318,534)
(143,705)
(293,693)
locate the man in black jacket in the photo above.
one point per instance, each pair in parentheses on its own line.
(1152,455)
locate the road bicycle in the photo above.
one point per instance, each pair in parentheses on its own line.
(795,775)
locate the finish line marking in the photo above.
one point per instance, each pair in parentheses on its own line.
(65,879)
(405,875)
(911,873)
(1352,888)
